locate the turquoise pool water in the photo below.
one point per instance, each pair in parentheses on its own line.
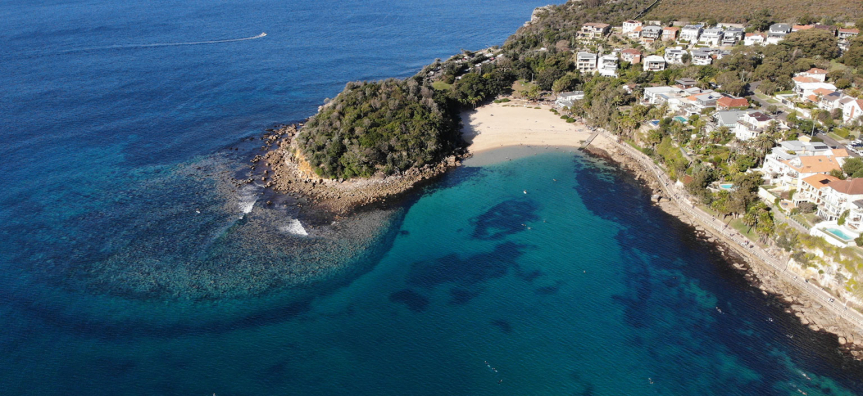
(681,119)
(839,234)
(726,186)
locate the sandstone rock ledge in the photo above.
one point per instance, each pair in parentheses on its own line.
(849,338)
(289,173)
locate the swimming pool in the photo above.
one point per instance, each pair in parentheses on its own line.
(839,234)
(681,119)
(726,186)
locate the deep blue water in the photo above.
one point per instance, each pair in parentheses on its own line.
(128,264)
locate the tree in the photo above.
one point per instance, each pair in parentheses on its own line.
(854,56)
(811,43)
(565,83)
(853,167)
(761,20)
(842,217)
(806,19)
(837,173)
(842,83)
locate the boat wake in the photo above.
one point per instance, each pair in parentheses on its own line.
(153,45)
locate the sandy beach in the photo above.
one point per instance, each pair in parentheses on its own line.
(500,125)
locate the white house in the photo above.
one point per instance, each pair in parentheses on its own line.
(777,32)
(777,168)
(607,65)
(852,111)
(674,55)
(833,196)
(650,34)
(585,62)
(711,36)
(630,25)
(729,118)
(701,57)
(751,125)
(690,33)
(806,89)
(660,95)
(631,55)
(819,75)
(845,34)
(654,63)
(567,99)
(755,39)
(594,30)
(732,35)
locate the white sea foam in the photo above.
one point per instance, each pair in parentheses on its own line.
(294,227)
(247,198)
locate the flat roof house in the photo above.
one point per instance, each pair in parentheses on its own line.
(701,57)
(607,65)
(732,35)
(594,30)
(653,63)
(674,55)
(690,33)
(711,36)
(585,62)
(650,34)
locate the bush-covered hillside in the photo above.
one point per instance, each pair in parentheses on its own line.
(744,10)
(561,23)
(385,126)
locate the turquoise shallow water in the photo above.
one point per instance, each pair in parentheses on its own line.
(129,266)
(577,286)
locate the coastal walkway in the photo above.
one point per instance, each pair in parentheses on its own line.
(590,139)
(706,220)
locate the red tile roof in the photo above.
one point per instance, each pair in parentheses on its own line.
(850,186)
(819,181)
(805,79)
(732,102)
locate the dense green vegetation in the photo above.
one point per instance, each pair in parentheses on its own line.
(385,126)
(800,11)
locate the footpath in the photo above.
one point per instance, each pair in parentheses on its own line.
(737,241)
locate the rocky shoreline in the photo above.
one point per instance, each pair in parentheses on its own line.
(285,171)
(760,275)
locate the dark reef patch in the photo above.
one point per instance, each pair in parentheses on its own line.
(527,276)
(469,271)
(414,301)
(506,218)
(549,290)
(503,325)
(461,296)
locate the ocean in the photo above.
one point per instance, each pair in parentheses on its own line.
(131,263)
